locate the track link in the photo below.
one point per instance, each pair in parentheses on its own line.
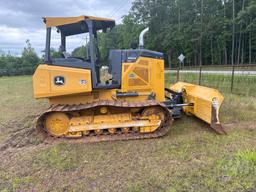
(161,131)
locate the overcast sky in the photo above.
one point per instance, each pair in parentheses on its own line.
(22,19)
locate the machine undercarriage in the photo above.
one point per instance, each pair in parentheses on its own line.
(128,120)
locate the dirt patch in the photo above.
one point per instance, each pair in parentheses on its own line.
(22,133)
(250,126)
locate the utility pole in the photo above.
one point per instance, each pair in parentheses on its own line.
(179,15)
(250,43)
(201,37)
(233,47)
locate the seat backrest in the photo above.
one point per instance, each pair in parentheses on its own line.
(115,65)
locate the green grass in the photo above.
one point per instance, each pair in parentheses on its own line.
(9,182)
(251,67)
(16,98)
(189,158)
(249,156)
(59,157)
(243,85)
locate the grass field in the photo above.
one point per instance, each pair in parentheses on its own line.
(243,84)
(189,158)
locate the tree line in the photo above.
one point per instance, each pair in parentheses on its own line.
(207,32)
(24,65)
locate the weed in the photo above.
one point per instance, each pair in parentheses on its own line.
(248,155)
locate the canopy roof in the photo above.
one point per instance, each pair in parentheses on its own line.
(77,25)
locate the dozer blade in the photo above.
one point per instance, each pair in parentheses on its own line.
(206,103)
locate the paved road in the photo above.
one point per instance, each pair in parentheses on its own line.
(215,72)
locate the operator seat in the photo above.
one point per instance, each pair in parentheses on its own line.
(115,66)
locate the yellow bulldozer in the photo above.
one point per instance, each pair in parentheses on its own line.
(124,99)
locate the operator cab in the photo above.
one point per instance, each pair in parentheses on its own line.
(103,76)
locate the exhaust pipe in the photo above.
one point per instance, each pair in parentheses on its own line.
(141,38)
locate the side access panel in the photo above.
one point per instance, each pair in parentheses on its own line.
(51,81)
(145,75)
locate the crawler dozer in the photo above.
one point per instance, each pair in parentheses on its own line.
(125,98)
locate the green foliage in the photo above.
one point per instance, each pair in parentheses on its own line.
(187,26)
(249,156)
(54,53)
(24,65)
(29,59)
(200,29)
(119,37)
(80,52)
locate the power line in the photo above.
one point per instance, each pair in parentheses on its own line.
(119,19)
(113,11)
(117,9)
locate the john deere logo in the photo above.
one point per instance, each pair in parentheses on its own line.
(59,80)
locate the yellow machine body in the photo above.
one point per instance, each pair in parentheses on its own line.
(54,22)
(144,76)
(75,81)
(202,98)
(126,100)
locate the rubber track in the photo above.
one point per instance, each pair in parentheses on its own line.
(161,131)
